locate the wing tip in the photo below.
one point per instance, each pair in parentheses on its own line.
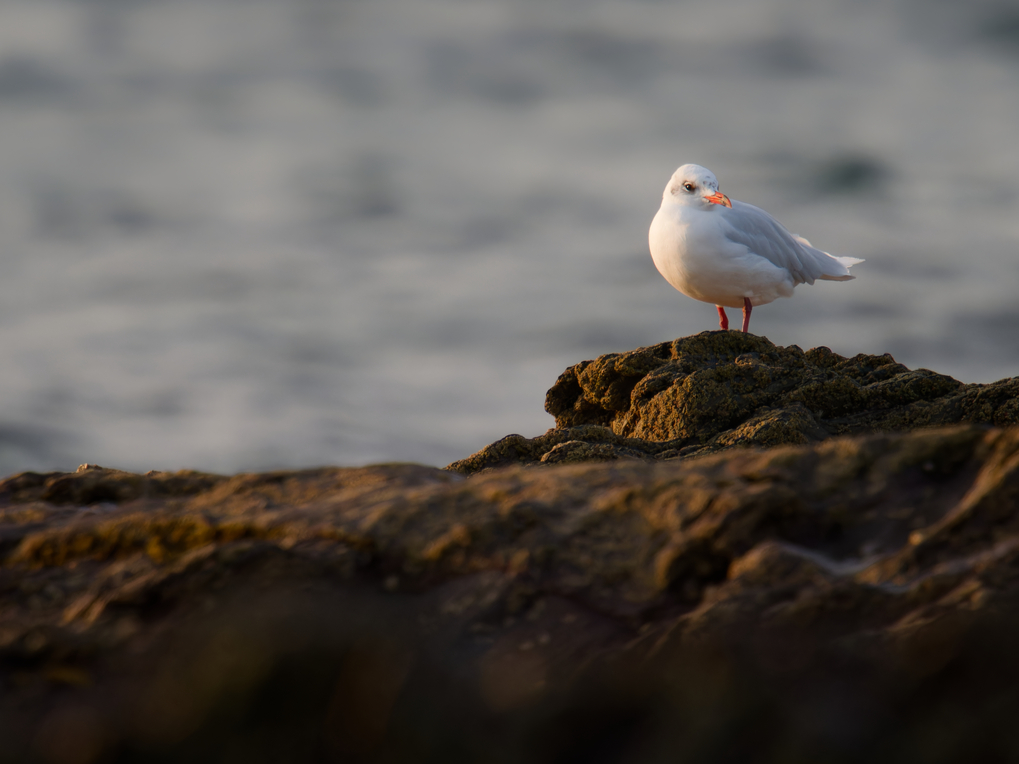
(845,262)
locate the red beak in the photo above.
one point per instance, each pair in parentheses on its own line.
(719,198)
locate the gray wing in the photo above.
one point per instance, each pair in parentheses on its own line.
(764,236)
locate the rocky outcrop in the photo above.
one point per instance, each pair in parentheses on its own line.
(849,599)
(843,586)
(719,390)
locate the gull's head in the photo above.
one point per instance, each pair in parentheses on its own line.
(694,186)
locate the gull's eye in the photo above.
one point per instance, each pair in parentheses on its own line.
(688,186)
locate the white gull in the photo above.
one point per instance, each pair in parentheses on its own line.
(731,254)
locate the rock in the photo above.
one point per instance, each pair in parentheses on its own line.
(834,578)
(852,598)
(573,444)
(718,390)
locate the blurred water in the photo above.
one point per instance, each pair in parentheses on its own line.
(241,234)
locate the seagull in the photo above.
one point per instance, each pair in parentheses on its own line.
(731,254)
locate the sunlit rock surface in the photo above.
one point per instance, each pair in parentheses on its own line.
(723,389)
(850,599)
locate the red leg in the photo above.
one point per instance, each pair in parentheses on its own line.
(723,320)
(747,307)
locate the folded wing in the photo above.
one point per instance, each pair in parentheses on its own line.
(764,236)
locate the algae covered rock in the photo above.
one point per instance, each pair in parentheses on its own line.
(717,390)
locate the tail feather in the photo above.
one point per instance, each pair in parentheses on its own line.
(847,277)
(846,263)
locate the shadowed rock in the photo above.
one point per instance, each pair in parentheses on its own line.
(401,612)
(718,390)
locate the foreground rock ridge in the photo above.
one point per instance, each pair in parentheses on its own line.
(156,604)
(848,593)
(723,389)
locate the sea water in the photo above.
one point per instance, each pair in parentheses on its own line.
(246,234)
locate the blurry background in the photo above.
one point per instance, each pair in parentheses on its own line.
(242,234)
